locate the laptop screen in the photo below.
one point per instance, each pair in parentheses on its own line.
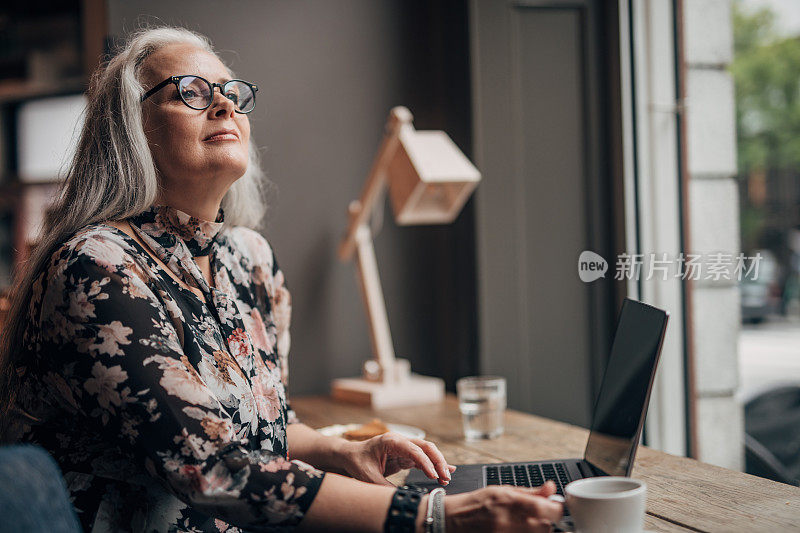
(625,391)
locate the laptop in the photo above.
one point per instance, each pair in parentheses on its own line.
(617,421)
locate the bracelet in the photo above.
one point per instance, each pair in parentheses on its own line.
(434,518)
(403,511)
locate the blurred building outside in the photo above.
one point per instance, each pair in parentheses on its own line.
(766,70)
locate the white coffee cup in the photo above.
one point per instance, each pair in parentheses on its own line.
(607,504)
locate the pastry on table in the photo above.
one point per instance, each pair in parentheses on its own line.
(367,431)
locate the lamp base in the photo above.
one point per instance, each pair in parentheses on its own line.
(414,390)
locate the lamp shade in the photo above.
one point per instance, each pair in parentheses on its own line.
(429,178)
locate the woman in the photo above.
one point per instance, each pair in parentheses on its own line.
(147,343)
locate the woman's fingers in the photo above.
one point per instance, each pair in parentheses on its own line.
(539,507)
(417,452)
(403,463)
(442,468)
(377,478)
(370,472)
(405,447)
(548,489)
(526,505)
(539,526)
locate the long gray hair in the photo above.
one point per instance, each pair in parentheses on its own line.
(111,177)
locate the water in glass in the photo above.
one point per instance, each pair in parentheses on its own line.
(482,402)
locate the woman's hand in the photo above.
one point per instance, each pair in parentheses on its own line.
(500,508)
(374,459)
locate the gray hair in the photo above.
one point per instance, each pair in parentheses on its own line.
(112,177)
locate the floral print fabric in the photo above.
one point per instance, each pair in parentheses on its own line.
(165,411)
(169,225)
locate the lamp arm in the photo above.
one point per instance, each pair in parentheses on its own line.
(361,209)
(371,291)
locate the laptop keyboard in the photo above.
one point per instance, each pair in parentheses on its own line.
(529,475)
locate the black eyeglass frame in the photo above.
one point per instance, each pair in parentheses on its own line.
(175,80)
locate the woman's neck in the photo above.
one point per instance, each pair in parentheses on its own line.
(202,208)
(205,268)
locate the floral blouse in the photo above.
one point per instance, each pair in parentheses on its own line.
(165,411)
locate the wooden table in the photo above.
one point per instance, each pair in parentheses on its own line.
(682,494)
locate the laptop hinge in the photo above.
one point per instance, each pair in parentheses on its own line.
(589,470)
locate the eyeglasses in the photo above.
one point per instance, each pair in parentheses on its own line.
(198,93)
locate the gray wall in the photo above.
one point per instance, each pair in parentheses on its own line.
(328,74)
(540,74)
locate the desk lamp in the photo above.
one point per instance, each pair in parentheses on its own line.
(429,182)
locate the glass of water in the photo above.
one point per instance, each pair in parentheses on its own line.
(482,401)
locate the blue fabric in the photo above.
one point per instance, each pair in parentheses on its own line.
(33,496)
